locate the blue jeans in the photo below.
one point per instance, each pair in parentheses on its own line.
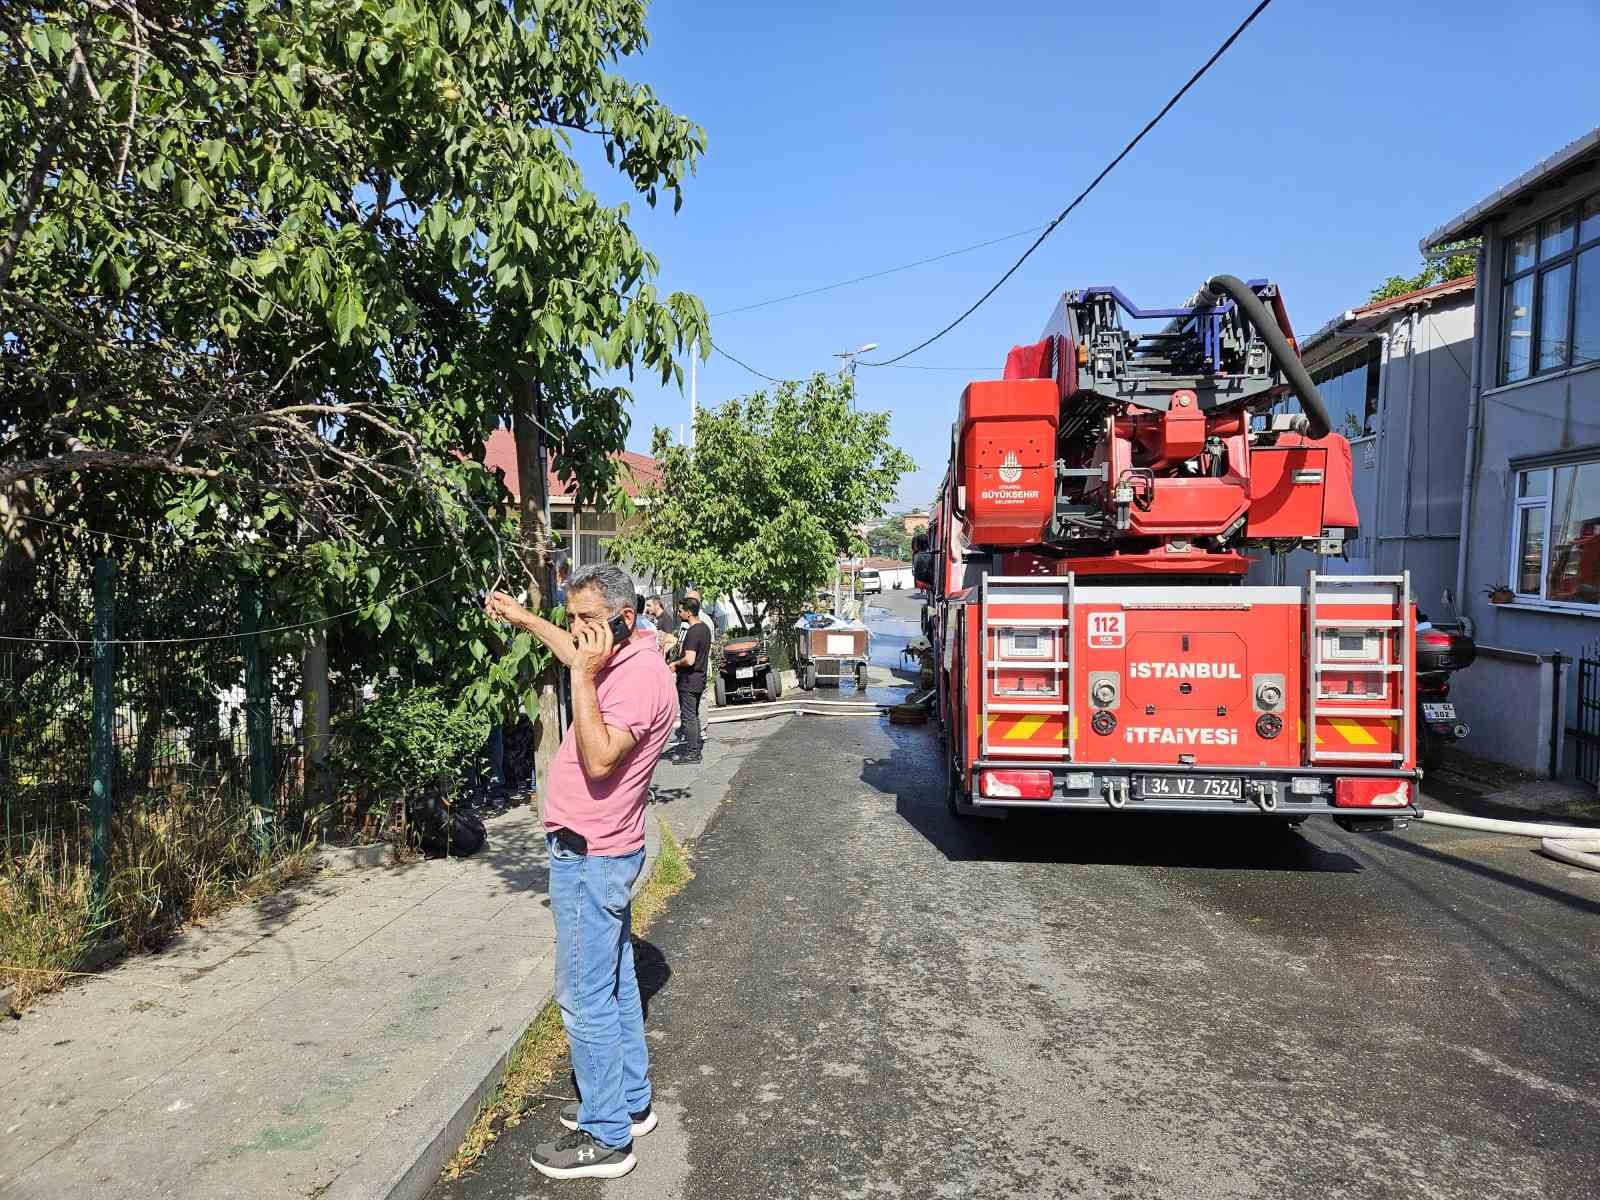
(597,988)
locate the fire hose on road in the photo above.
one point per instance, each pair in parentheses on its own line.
(781,708)
(1572,844)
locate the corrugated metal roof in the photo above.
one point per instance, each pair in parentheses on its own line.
(1369,316)
(1571,155)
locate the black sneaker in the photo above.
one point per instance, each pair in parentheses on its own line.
(643,1122)
(576,1155)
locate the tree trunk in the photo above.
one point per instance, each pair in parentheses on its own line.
(314,712)
(532,484)
(19,560)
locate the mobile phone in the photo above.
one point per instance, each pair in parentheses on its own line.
(619,630)
(572,840)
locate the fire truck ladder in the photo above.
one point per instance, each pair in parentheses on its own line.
(1325,596)
(1052,661)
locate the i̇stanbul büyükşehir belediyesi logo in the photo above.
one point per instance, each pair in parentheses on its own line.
(1010,468)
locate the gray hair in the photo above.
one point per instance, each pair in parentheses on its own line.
(613,583)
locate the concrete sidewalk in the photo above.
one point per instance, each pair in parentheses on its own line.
(1477,787)
(331,1040)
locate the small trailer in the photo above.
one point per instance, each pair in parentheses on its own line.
(829,651)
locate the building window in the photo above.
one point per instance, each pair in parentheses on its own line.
(595,531)
(1550,302)
(1349,390)
(561,528)
(1555,552)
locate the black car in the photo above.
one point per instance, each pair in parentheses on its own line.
(747,672)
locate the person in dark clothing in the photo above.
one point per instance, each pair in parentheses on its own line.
(691,671)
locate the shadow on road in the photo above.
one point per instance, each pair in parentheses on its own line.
(1441,854)
(654,973)
(1221,843)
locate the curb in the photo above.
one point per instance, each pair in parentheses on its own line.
(473,1080)
(354,858)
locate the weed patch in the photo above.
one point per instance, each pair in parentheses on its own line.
(170,864)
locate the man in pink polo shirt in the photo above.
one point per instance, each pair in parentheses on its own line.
(623,706)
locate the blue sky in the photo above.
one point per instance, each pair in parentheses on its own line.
(845,138)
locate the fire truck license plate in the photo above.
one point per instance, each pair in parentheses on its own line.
(1438,712)
(1188,787)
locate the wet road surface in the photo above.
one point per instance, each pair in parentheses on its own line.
(860,996)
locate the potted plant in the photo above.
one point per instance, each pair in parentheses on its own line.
(1500,593)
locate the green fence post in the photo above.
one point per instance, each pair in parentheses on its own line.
(257,713)
(103,716)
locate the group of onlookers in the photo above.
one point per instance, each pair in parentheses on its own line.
(686,643)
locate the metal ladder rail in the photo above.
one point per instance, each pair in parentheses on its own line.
(1063,626)
(1406,668)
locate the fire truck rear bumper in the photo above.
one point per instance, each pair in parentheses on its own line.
(1263,792)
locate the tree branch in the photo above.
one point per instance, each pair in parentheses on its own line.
(42,163)
(133,102)
(90,459)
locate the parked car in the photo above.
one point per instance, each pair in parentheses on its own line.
(871,582)
(746,672)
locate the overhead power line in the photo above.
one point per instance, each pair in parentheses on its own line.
(222,637)
(921,262)
(897,366)
(1083,195)
(747,366)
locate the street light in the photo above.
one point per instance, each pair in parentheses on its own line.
(848,357)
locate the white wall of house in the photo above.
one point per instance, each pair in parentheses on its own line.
(898,576)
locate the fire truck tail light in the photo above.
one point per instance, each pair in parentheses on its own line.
(1017,785)
(1371,793)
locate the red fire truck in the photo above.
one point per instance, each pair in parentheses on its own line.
(1097,644)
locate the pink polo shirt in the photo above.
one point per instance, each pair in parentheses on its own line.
(636,693)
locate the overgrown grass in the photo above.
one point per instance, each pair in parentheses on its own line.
(45,921)
(543,1048)
(171,862)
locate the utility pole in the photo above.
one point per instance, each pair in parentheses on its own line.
(847,358)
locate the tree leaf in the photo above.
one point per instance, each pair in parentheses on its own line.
(348,313)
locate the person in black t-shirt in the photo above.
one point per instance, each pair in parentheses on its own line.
(691,668)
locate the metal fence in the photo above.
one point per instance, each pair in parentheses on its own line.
(1586,734)
(144,697)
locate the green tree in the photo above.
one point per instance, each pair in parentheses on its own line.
(1460,261)
(769,497)
(890,540)
(272,271)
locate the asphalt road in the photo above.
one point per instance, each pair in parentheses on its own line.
(858,996)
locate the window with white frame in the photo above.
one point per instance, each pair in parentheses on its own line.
(595,531)
(561,527)
(1555,539)
(1550,300)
